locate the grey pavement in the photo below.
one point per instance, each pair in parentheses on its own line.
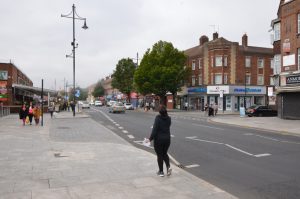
(76,157)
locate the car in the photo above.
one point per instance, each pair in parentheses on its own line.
(110,103)
(85,104)
(128,106)
(117,107)
(260,110)
(98,103)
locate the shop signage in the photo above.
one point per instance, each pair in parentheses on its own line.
(217,89)
(197,90)
(248,90)
(3,75)
(286,46)
(289,60)
(293,79)
(3,97)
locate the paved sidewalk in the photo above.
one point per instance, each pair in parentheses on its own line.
(79,158)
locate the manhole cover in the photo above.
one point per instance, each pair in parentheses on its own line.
(63,127)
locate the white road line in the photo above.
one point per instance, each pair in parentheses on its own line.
(124,131)
(173,159)
(117,124)
(192,166)
(131,136)
(239,150)
(120,127)
(191,137)
(208,141)
(262,155)
(273,139)
(208,126)
(172,135)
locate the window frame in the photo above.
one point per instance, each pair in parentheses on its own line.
(262,80)
(215,80)
(299,23)
(299,59)
(248,79)
(193,80)
(248,58)
(262,61)
(193,65)
(218,61)
(200,80)
(277,33)
(225,78)
(200,63)
(225,60)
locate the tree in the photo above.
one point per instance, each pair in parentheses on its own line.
(122,78)
(161,70)
(83,93)
(98,90)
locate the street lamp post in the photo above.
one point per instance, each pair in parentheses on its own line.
(245,90)
(73,15)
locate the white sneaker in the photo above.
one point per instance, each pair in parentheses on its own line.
(161,174)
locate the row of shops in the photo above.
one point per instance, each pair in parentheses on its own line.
(228,97)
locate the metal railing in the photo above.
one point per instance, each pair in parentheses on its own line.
(4,111)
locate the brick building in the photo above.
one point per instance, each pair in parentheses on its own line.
(227,73)
(11,75)
(286,42)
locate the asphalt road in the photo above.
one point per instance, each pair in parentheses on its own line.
(247,163)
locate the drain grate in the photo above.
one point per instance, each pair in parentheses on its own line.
(181,166)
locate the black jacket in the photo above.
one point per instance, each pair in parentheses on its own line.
(22,113)
(161,128)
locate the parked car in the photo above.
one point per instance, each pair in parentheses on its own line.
(98,103)
(117,107)
(260,110)
(85,104)
(128,106)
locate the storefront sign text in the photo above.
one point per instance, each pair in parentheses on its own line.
(293,79)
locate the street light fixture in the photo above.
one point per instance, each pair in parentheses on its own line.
(73,15)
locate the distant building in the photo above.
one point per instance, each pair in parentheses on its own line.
(109,91)
(226,73)
(286,42)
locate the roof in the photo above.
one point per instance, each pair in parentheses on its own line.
(34,90)
(256,50)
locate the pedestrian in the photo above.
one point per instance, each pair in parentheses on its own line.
(186,105)
(215,109)
(51,109)
(37,114)
(147,106)
(206,109)
(210,111)
(72,106)
(162,139)
(30,112)
(23,113)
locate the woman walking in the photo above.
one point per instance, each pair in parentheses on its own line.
(37,114)
(162,139)
(30,112)
(23,113)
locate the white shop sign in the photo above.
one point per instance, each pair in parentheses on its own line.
(217,89)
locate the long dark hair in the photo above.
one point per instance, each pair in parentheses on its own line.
(162,110)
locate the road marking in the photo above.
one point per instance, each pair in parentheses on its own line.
(273,139)
(262,155)
(117,124)
(173,159)
(131,136)
(120,127)
(208,126)
(192,166)
(124,131)
(172,135)
(230,146)
(240,150)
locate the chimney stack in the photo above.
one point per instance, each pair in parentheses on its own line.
(215,36)
(203,39)
(245,40)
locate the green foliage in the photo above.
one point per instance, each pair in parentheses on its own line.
(98,90)
(122,77)
(161,70)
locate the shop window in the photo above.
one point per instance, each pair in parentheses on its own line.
(228,103)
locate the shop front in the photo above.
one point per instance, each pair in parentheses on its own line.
(196,98)
(231,98)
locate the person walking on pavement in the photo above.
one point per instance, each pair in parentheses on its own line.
(162,139)
(23,113)
(51,109)
(37,114)
(206,109)
(30,112)
(215,109)
(72,106)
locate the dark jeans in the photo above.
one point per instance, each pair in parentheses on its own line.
(30,118)
(161,148)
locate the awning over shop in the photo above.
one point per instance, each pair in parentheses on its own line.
(34,90)
(285,89)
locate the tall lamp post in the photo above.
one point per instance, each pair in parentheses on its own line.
(245,89)
(73,15)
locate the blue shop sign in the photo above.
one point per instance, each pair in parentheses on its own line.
(197,90)
(248,90)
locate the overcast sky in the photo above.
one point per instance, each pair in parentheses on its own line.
(35,37)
